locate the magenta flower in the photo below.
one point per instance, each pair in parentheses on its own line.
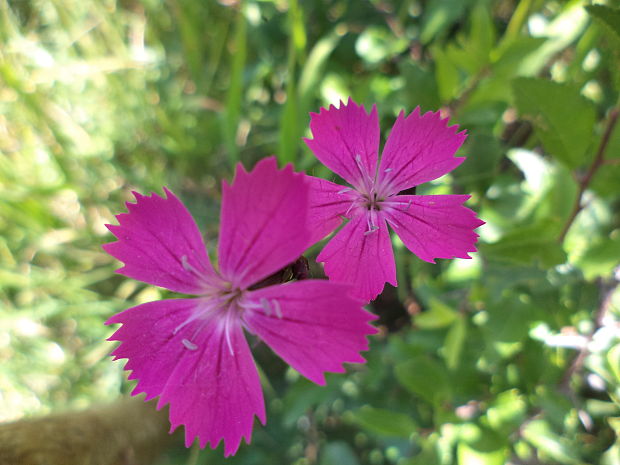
(420,148)
(191,352)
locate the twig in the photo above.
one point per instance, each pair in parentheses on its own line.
(312,435)
(577,363)
(587,178)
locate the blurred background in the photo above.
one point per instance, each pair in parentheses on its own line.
(510,357)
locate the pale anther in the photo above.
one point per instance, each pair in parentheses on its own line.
(394,225)
(266,306)
(189,344)
(187,266)
(276,306)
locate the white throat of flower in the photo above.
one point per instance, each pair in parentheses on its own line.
(227,306)
(372,196)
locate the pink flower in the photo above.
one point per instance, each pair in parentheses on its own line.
(191,352)
(420,148)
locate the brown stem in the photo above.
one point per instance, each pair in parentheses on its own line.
(587,178)
(577,363)
(312,435)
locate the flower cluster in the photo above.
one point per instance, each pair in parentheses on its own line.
(192,352)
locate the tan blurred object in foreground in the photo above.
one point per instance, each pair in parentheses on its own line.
(126,432)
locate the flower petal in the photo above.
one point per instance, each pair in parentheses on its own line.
(160,244)
(213,392)
(420,148)
(328,203)
(346,140)
(361,258)
(263,222)
(434,226)
(313,325)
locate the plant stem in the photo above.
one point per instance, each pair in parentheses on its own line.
(587,178)
(578,361)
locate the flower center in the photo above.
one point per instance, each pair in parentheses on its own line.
(371,201)
(221,305)
(224,308)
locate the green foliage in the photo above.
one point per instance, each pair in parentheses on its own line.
(511,357)
(561,116)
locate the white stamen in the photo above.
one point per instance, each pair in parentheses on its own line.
(367,180)
(189,344)
(188,267)
(346,214)
(394,225)
(191,319)
(387,170)
(266,306)
(202,312)
(408,205)
(276,306)
(346,189)
(372,230)
(230,349)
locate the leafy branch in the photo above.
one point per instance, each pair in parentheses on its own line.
(584,182)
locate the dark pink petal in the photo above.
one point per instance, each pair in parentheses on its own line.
(263,222)
(434,226)
(420,148)
(160,244)
(346,140)
(361,258)
(313,325)
(328,203)
(214,393)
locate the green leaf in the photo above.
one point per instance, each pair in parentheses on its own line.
(508,56)
(611,455)
(600,258)
(507,411)
(424,377)
(235,89)
(526,245)
(470,455)
(289,117)
(289,130)
(610,17)
(563,30)
(439,315)
(508,325)
(446,75)
(471,53)
(377,44)
(439,16)
(312,71)
(338,453)
(455,339)
(613,359)
(563,119)
(421,88)
(539,434)
(484,153)
(429,455)
(480,446)
(384,422)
